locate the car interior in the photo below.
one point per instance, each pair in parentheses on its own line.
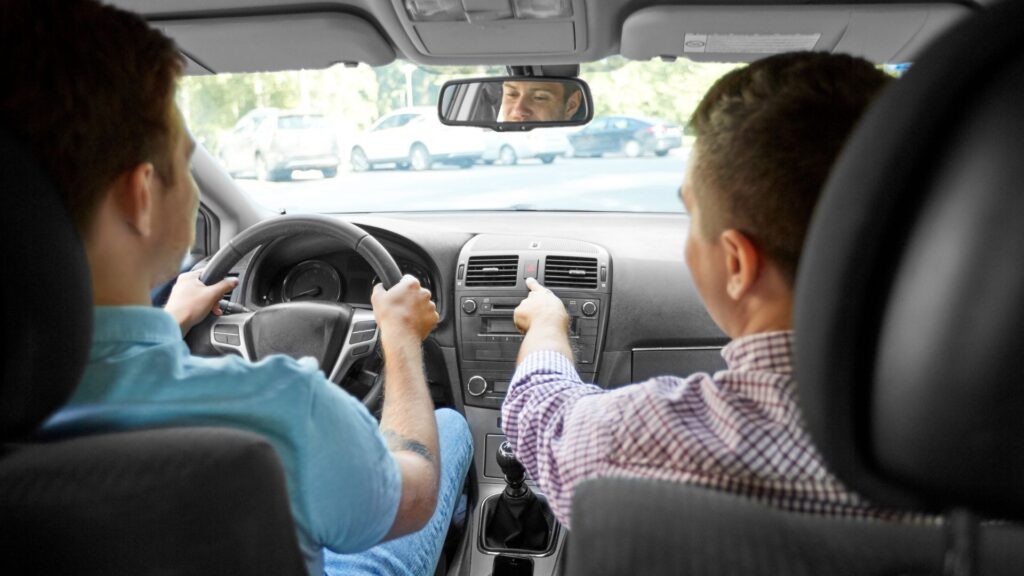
(909,368)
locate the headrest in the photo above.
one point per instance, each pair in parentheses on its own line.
(47,295)
(910,294)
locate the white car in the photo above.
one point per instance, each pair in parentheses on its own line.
(270,143)
(508,148)
(414,138)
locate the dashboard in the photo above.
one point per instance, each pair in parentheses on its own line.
(654,303)
(308,269)
(335,277)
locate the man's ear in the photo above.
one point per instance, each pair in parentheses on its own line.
(134,198)
(573,104)
(743,262)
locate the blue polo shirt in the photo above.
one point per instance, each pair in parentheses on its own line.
(343,483)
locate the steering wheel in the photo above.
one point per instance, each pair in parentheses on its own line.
(334,333)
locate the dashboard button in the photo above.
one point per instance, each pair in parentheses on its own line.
(360,350)
(365,325)
(589,308)
(476,386)
(469,306)
(358,337)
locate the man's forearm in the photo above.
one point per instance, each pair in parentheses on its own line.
(545,337)
(408,412)
(410,429)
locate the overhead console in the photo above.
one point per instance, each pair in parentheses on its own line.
(491,282)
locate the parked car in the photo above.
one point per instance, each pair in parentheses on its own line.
(629,135)
(415,138)
(269,143)
(510,147)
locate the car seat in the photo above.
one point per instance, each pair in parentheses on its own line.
(170,501)
(910,349)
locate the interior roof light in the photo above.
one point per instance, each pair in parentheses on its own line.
(477,10)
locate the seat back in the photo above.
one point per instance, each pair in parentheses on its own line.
(908,309)
(154,502)
(173,501)
(628,526)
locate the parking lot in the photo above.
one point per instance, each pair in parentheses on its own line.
(647,184)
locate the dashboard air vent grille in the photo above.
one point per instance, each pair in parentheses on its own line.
(569,272)
(492,271)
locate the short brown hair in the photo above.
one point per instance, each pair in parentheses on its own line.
(767,136)
(89,88)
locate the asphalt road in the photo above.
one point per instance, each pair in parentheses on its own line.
(646,184)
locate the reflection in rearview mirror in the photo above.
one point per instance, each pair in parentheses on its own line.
(516,102)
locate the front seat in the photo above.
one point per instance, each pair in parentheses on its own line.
(910,357)
(171,501)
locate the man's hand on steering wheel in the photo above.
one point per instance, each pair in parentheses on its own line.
(191,300)
(404,311)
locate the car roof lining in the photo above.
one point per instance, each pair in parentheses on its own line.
(265,35)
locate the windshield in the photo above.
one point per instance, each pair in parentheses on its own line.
(368,139)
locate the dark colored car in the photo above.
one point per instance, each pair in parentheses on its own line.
(629,135)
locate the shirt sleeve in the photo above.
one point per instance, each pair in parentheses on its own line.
(352,485)
(565,431)
(558,425)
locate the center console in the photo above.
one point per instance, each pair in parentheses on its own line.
(490,284)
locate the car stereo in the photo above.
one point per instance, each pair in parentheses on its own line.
(490,284)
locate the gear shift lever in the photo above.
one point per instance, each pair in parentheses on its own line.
(515,474)
(518,519)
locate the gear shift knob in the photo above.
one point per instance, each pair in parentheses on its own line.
(514,472)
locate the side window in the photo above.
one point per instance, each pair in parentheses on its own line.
(620,124)
(404,119)
(388,123)
(596,125)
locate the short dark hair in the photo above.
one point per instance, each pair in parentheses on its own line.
(767,137)
(90,89)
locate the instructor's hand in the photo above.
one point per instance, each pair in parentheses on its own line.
(541,308)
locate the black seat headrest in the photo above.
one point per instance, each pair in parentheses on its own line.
(47,295)
(910,297)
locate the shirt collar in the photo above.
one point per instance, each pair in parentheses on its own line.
(766,351)
(133,324)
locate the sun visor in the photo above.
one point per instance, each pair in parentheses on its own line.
(279,42)
(879,33)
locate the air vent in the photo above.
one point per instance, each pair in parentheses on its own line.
(568,272)
(492,271)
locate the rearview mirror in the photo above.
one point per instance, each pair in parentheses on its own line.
(515,102)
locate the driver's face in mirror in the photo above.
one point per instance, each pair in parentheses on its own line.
(538,101)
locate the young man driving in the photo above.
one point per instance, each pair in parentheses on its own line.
(767,135)
(91,92)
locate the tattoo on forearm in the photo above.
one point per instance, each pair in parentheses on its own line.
(396,442)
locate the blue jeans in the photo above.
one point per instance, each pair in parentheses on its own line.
(417,553)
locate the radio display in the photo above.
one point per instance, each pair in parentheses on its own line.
(500,325)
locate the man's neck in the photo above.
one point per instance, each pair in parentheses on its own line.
(117,279)
(767,310)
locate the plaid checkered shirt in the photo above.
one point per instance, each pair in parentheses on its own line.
(739,430)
